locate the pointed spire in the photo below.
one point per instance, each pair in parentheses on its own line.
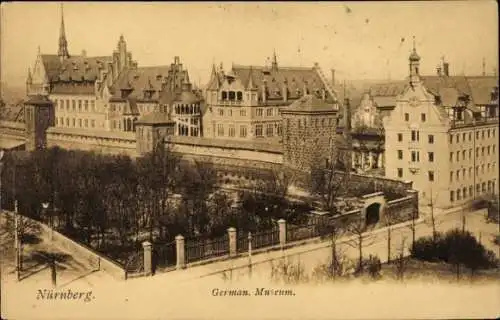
(251,85)
(29,79)
(414,56)
(39,51)
(63,43)
(186,77)
(214,71)
(274,64)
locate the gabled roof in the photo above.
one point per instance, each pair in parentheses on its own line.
(138,79)
(310,103)
(296,79)
(74,68)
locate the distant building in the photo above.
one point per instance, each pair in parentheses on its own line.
(246,102)
(443,136)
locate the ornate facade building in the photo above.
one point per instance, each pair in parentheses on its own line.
(246,103)
(111,93)
(443,136)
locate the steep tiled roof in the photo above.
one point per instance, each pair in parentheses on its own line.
(74,68)
(481,89)
(310,103)
(295,78)
(389,89)
(139,79)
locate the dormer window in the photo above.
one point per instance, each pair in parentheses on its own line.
(158,77)
(437,99)
(232,95)
(224,95)
(239,95)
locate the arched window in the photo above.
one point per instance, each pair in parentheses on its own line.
(224,95)
(129,124)
(239,96)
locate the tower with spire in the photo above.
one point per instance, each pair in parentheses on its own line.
(414,60)
(63,43)
(274,62)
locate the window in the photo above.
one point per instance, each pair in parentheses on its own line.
(269,130)
(477,170)
(464,172)
(57,122)
(470,153)
(414,135)
(470,136)
(232,95)
(269,112)
(258,129)
(232,131)
(230,112)
(458,156)
(482,151)
(92,105)
(243,131)
(86,122)
(67,105)
(400,154)
(478,188)
(482,134)
(452,196)
(407,117)
(400,137)
(477,152)
(243,112)
(224,95)
(73,104)
(431,175)
(458,138)
(451,176)
(477,135)
(451,156)
(463,155)
(86,105)
(400,172)
(74,122)
(482,168)
(221,112)
(279,129)
(451,139)
(259,112)
(463,137)
(488,150)
(458,175)
(470,172)
(239,95)
(92,123)
(80,123)
(458,194)
(431,156)
(220,129)
(415,156)
(422,117)
(67,122)
(483,187)
(79,105)
(471,191)
(431,139)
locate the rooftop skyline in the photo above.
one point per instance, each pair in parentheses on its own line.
(359,40)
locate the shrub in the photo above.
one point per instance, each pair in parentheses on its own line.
(456,247)
(373,266)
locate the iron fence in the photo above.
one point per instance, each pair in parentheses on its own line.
(135,263)
(242,242)
(200,249)
(164,255)
(265,239)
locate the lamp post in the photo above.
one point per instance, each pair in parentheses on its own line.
(45,207)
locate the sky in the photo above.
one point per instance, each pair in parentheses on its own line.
(364,40)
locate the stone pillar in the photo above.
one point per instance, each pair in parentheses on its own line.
(379,161)
(362,160)
(282,226)
(232,241)
(179,241)
(370,159)
(148,267)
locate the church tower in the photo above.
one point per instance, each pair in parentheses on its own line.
(63,43)
(414,66)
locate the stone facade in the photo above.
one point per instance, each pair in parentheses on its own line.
(39,116)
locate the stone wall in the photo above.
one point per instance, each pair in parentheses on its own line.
(13,129)
(109,142)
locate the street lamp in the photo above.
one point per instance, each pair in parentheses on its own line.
(45,206)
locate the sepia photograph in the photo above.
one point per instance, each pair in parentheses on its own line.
(249,160)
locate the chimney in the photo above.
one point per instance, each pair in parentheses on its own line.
(285,91)
(84,53)
(438,70)
(333,77)
(446,69)
(264,91)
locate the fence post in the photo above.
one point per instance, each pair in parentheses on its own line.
(146,246)
(232,241)
(249,254)
(282,226)
(179,245)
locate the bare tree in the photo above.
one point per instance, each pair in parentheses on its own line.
(358,229)
(401,261)
(390,218)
